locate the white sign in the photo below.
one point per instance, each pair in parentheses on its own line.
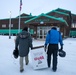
(39,59)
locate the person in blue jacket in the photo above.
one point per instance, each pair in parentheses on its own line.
(52,39)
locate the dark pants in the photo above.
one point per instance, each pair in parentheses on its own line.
(52,51)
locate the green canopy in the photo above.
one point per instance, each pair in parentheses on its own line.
(72,33)
(6,31)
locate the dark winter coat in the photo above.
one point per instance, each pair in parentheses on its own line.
(23,42)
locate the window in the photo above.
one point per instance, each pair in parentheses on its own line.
(75,25)
(4,26)
(11,25)
(72,25)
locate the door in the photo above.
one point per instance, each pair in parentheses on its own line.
(42,31)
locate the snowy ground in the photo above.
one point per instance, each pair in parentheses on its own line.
(10,66)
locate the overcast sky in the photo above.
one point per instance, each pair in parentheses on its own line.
(35,7)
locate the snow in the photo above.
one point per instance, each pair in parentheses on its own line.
(10,66)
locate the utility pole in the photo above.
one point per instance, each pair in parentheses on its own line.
(10,26)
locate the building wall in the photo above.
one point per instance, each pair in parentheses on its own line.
(65,30)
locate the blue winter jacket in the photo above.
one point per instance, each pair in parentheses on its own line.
(53,37)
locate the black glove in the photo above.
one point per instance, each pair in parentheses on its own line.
(45,47)
(31,48)
(16,48)
(61,48)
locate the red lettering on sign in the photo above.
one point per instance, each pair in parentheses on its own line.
(39,58)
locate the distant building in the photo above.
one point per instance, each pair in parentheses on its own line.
(4,24)
(39,25)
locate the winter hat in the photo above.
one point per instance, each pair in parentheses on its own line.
(62,53)
(25,29)
(16,53)
(54,28)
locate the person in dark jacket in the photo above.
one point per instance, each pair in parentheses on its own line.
(23,42)
(52,39)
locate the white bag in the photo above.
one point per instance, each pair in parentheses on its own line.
(39,59)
